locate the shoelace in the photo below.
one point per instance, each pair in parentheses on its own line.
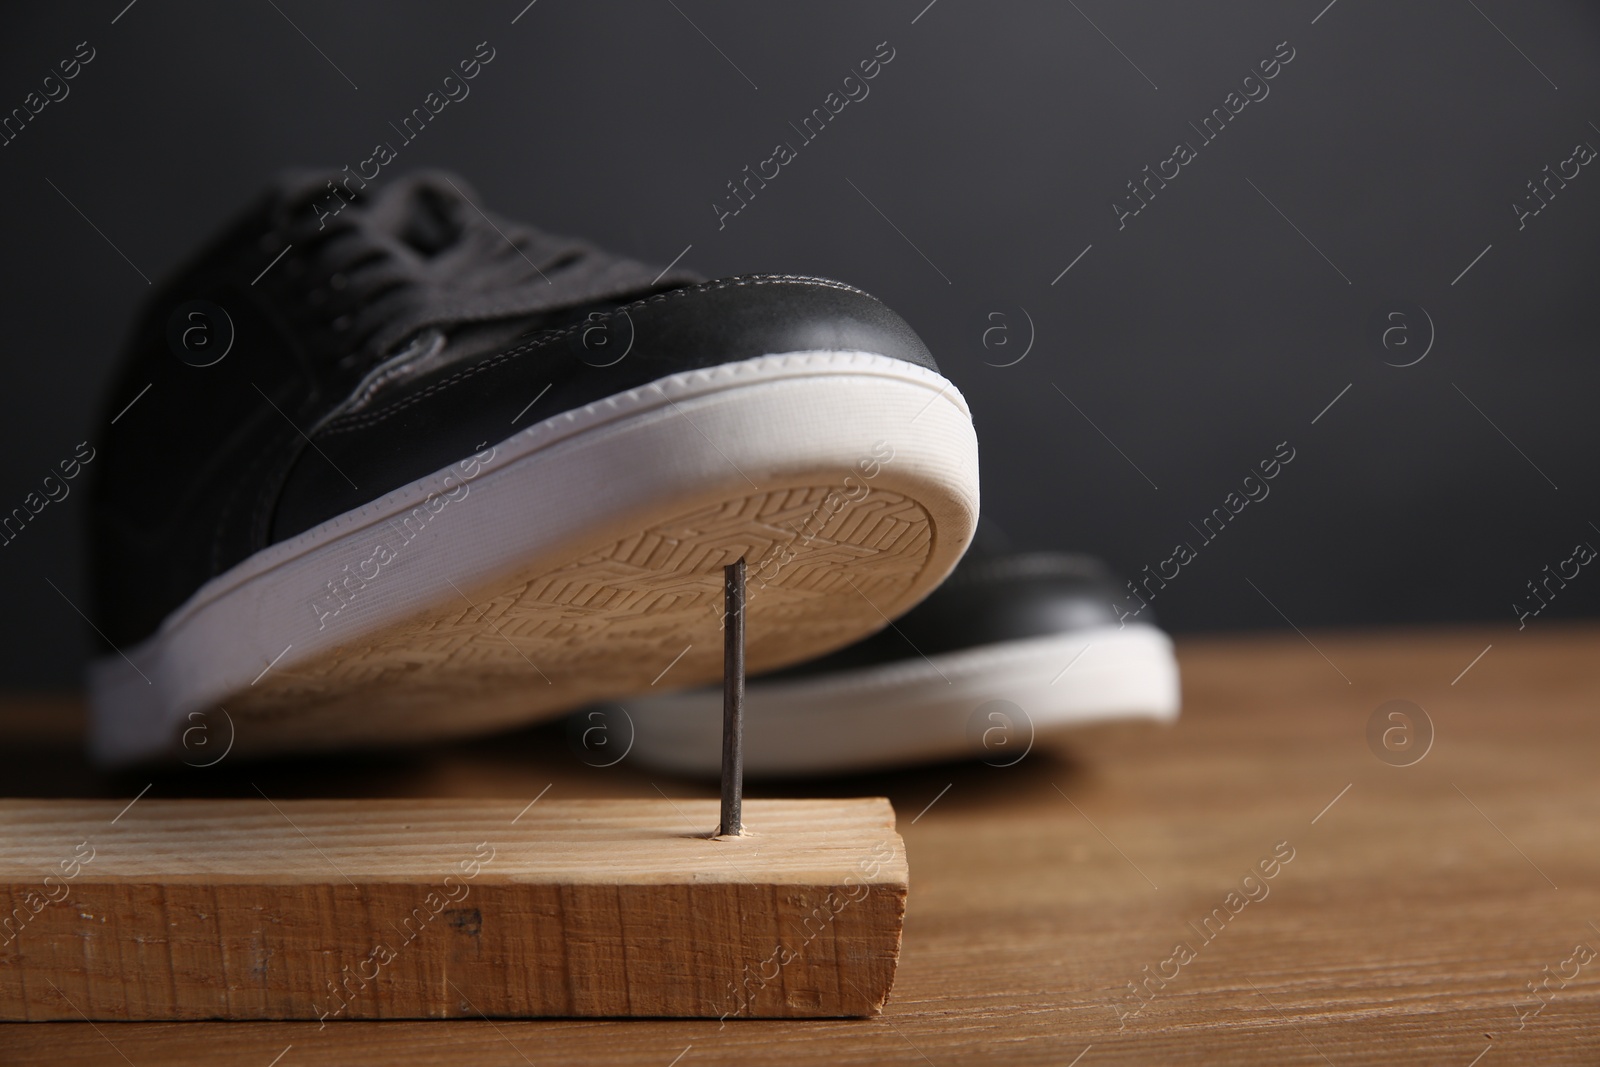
(421,254)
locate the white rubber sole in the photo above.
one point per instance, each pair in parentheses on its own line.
(991,702)
(574,561)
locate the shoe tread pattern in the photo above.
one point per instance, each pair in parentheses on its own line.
(604,625)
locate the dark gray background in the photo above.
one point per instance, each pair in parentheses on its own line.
(1195,339)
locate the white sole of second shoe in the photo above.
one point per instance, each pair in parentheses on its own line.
(579,560)
(990,702)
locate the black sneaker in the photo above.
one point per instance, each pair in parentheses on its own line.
(1010,648)
(387,468)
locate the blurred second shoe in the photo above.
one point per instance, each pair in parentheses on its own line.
(1010,648)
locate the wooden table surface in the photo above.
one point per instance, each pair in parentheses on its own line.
(1409,911)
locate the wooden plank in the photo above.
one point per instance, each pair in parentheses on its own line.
(394,909)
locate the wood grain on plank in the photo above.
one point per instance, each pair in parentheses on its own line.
(383,909)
